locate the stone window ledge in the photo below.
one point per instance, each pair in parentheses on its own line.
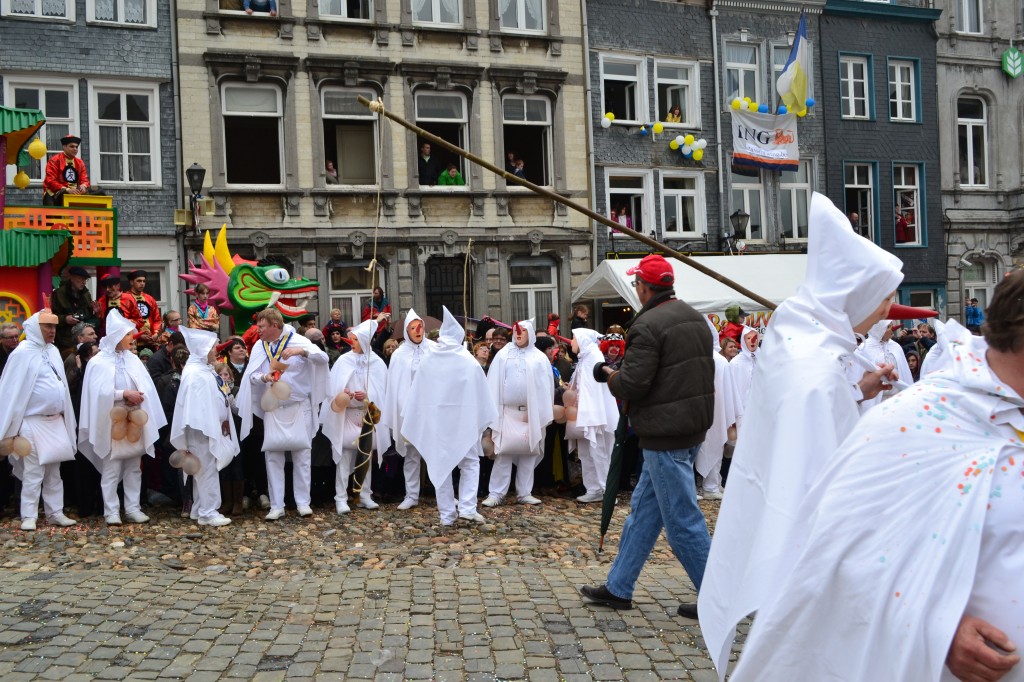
(215,22)
(290,198)
(322,198)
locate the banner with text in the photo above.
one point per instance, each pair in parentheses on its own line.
(765,141)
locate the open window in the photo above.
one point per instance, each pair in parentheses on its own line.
(621,88)
(682,203)
(748,195)
(444,115)
(527,129)
(350,137)
(346,9)
(677,96)
(252,134)
(906,179)
(629,196)
(859,186)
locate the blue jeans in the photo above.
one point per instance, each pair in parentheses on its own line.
(665,496)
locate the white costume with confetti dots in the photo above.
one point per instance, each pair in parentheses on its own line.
(915,522)
(800,409)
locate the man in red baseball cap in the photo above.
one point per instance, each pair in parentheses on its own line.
(654,269)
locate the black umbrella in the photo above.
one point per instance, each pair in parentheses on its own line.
(611,488)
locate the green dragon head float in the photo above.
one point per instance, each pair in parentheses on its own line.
(242,288)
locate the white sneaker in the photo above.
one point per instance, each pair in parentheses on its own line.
(274,515)
(529,499)
(264,502)
(709,495)
(28,524)
(113,520)
(475,517)
(343,508)
(218,520)
(492,501)
(136,517)
(60,520)
(194,514)
(305,511)
(699,496)
(367,503)
(591,497)
(408,503)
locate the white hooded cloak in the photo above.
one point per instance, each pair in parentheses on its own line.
(713,447)
(915,522)
(878,352)
(540,390)
(201,406)
(98,393)
(450,403)
(741,372)
(800,409)
(366,370)
(597,414)
(405,361)
(31,356)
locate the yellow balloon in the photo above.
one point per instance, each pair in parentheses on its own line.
(21,180)
(801,113)
(673,145)
(747,100)
(737,103)
(610,116)
(753,106)
(698,154)
(37,150)
(658,127)
(688,140)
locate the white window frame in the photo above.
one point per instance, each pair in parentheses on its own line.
(848,79)
(464,122)
(898,188)
(521,18)
(646,190)
(155,270)
(368,117)
(740,183)
(531,290)
(639,85)
(741,67)
(351,300)
(902,67)
(343,15)
(155,152)
(435,11)
(790,192)
(549,168)
(151,20)
(69,11)
(41,84)
(869,186)
(692,83)
(911,293)
(960,7)
(970,125)
(279,115)
(983,285)
(678,195)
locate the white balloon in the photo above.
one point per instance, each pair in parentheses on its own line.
(686,149)
(680,140)
(606,123)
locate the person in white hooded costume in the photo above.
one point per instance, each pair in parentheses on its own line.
(879,349)
(592,434)
(38,409)
(405,361)
(292,423)
(445,414)
(800,408)
(709,460)
(911,556)
(360,375)
(520,383)
(116,377)
(203,424)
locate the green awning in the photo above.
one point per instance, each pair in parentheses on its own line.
(19,125)
(24,248)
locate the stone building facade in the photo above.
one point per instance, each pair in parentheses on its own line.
(982,151)
(883,163)
(269,101)
(104,71)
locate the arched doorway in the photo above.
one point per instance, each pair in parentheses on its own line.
(444,285)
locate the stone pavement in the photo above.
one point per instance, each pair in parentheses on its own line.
(374,596)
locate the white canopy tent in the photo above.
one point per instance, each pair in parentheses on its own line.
(773,276)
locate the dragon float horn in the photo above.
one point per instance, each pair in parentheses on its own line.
(220,251)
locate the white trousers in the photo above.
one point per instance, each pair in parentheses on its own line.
(411,469)
(595,461)
(346,465)
(206,484)
(469,482)
(45,478)
(129,473)
(501,474)
(302,472)
(714,478)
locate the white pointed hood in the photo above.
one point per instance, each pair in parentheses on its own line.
(402,369)
(596,410)
(540,388)
(201,405)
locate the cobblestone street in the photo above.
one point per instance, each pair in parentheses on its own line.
(380,595)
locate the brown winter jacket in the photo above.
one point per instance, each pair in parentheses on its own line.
(667,375)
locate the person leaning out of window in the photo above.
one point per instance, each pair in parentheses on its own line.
(451,177)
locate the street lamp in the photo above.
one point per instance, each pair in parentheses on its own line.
(195,174)
(739,221)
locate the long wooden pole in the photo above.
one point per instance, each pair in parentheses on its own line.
(543,191)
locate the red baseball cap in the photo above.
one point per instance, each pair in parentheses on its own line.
(654,270)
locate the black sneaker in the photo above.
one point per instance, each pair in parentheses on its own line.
(687,610)
(601,595)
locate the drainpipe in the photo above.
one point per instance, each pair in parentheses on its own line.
(713,12)
(587,92)
(178,183)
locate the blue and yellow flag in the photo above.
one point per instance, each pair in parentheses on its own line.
(794,84)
